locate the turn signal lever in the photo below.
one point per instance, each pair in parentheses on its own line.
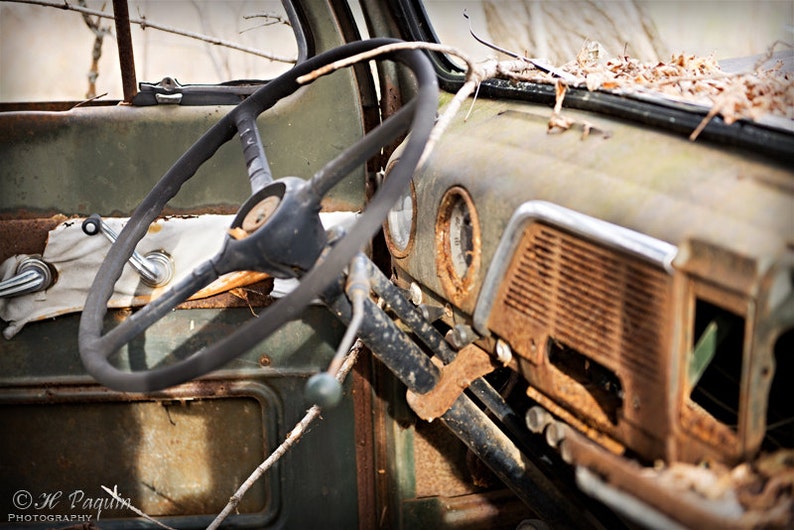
(32,275)
(323,388)
(155,268)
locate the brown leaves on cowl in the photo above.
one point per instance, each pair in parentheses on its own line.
(749,94)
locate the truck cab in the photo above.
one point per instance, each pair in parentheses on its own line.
(364,281)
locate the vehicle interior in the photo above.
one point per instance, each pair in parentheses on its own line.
(379,284)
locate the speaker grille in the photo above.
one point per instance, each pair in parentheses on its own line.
(605,304)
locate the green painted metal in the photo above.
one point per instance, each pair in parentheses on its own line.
(634,176)
(105,159)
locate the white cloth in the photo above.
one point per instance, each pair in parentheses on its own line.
(76,257)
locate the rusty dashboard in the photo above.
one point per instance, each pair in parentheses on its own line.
(646,306)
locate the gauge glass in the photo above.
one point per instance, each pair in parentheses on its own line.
(461,237)
(457,244)
(400,221)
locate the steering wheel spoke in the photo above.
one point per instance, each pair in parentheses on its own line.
(145,317)
(254,151)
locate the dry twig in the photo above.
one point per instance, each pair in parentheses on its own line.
(115,494)
(270,19)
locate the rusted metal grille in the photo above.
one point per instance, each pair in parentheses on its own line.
(608,306)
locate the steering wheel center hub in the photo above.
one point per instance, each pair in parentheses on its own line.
(260,213)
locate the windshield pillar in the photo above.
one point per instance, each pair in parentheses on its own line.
(124,39)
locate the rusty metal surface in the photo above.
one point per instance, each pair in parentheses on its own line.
(471,363)
(25,236)
(703,435)
(707,261)
(440,463)
(363,411)
(754,495)
(459,290)
(489,510)
(594,324)
(126,57)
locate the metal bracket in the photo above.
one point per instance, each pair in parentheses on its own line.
(169,91)
(471,363)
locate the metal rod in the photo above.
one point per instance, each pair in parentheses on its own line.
(357,290)
(411,316)
(126,57)
(473,427)
(393,347)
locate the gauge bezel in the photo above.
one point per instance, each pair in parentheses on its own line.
(456,286)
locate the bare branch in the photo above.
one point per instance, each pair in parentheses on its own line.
(145,23)
(292,438)
(270,19)
(114,493)
(96,53)
(475,74)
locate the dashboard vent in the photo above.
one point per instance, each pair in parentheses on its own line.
(598,301)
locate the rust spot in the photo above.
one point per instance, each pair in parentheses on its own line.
(26,236)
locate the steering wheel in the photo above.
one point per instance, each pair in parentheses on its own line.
(280,225)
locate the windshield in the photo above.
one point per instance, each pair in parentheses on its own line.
(690,67)
(53,54)
(646,30)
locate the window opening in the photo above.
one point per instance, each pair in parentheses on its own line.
(715,364)
(191,41)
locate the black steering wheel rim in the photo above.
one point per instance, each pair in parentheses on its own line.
(95,348)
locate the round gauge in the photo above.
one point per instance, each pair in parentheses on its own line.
(400,223)
(458,242)
(461,234)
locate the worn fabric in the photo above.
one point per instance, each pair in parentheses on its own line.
(76,258)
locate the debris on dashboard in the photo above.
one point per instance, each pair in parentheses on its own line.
(559,123)
(751,93)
